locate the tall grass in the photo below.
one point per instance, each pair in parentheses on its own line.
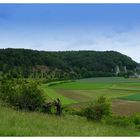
(16,123)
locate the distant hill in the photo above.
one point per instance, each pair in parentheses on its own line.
(63,65)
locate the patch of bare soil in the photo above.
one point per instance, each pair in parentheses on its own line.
(73,95)
(124,107)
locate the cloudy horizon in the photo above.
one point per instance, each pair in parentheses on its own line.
(63,27)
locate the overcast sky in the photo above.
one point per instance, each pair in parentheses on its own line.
(63,27)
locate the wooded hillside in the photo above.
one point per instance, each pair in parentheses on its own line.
(63,65)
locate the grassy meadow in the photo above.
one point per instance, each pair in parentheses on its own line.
(17,123)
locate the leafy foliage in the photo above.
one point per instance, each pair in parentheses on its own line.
(62,65)
(136,120)
(22,94)
(98,110)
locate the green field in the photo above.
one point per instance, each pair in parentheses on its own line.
(82,86)
(134,97)
(87,90)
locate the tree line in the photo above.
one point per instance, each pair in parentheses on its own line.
(27,63)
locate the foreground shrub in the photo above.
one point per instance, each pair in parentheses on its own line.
(136,120)
(98,110)
(22,94)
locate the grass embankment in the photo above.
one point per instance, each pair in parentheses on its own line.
(16,123)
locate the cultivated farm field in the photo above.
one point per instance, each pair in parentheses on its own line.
(123,93)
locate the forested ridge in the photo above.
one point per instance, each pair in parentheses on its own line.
(62,64)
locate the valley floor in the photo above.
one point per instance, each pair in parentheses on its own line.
(123,93)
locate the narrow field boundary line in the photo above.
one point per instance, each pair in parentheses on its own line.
(125,89)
